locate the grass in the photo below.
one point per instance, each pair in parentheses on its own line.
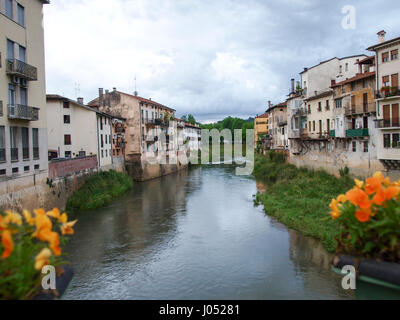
(99,190)
(299,197)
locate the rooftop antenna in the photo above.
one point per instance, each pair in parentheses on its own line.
(135,93)
(77,89)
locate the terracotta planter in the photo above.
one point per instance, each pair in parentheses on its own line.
(376,280)
(64,277)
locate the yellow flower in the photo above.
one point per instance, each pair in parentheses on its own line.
(55,213)
(28,217)
(42,259)
(39,212)
(387,182)
(63,218)
(43,227)
(66,228)
(12,217)
(7,242)
(335,215)
(335,209)
(359,184)
(342,198)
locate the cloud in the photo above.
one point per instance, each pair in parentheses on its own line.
(208,58)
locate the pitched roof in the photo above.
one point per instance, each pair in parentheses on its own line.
(376,46)
(359,76)
(320,95)
(265,115)
(348,57)
(95,102)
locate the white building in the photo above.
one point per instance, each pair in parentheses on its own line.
(23,133)
(76,130)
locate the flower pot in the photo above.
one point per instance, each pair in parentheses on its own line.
(376,280)
(63,279)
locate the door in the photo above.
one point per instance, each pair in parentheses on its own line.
(395,115)
(365,102)
(386,116)
(395,80)
(365,122)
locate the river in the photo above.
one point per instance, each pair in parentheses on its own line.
(195,235)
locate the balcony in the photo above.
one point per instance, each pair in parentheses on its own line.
(360,109)
(21,112)
(282,123)
(353,133)
(387,92)
(21,69)
(300,112)
(387,123)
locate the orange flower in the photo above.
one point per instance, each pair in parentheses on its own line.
(379,197)
(2,224)
(66,228)
(342,198)
(363,215)
(374,184)
(359,198)
(55,213)
(391,192)
(54,242)
(28,217)
(8,243)
(63,218)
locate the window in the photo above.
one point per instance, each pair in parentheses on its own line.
(386,81)
(386,140)
(82,154)
(327,105)
(106,138)
(106,153)
(2,144)
(385,57)
(14,143)
(313,124)
(353,86)
(395,115)
(347,67)
(319,106)
(10,50)
(102,153)
(15,170)
(364,83)
(396,140)
(25,143)
(9,8)
(26,169)
(340,69)
(354,146)
(23,96)
(67,139)
(109,138)
(67,154)
(21,15)
(101,123)
(67,119)
(3,172)
(102,141)
(66,104)
(338,103)
(35,143)
(22,54)
(394,54)
(365,146)
(37,166)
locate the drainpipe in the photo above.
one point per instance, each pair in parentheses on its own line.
(98,143)
(377,80)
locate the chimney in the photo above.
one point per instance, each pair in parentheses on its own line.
(101,93)
(381,36)
(359,66)
(315,92)
(333,82)
(80,100)
(114,89)
(269,104)
(305,69)
(292,83)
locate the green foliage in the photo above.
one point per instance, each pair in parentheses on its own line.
(99,191)
(231,123)
(299,197)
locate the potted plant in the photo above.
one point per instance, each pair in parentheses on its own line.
(30,242)
(385,91)
(369,238)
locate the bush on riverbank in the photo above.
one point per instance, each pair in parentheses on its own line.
(299,197)
(99,190)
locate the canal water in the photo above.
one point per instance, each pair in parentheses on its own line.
(195,235)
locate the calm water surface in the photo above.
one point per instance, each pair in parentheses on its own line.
(195,235)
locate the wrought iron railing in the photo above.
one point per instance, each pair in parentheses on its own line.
(25,153)
(22,112)
(36,153)
(21,69)
(360,108)
(388,123)
(387,92)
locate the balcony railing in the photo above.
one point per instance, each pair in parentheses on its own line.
(282,123)
(357,133)
(21,112)
(299,112)
(387,92)
(35,153)
(25,153)
(360,108)
(388,123)
(21,69)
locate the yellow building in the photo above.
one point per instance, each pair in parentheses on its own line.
(260,127)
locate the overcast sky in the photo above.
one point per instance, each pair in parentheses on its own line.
(211,58)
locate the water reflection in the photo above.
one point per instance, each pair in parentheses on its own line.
(193,235)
